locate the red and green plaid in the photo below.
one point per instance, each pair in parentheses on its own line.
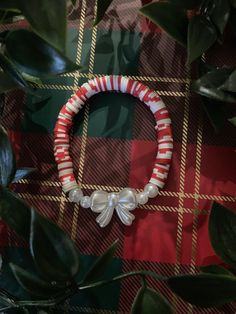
(117,134)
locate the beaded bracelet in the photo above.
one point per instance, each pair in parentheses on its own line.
(127,199)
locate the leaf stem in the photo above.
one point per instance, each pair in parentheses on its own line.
(120,277)
(6,308)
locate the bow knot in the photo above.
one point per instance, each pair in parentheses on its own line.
(105,204)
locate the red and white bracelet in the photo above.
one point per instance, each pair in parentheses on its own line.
(127,199)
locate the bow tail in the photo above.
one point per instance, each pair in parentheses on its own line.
(125,216)
(105,217)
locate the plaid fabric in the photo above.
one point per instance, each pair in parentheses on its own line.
(117,134)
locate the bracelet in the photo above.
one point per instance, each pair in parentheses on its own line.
(127,199)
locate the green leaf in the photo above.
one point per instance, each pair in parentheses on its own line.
(230,83)
(6,83)
(15,212)
(48,20)
(22,173)
(201,36)
(54,253)
(233,3)
(169,17)
(32,79)
(187,4)
(34,284)
(220,12)
(204,289)
(13,72)
(148,301)
(222,232)
(7,159)
(73,2)
(35,56)
(215,269)
(215,112)
(101,264)
(5,301)
(210,85)
(102,6)
(233,121)
(11,5)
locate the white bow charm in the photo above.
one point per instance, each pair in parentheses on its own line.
(105,204)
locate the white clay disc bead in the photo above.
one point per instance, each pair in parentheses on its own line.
(85,202)
(151,189)
(75,195)
(142,198)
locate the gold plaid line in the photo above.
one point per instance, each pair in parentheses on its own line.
(138,78)
(146,207)
(119,188)
(173,209)
(80,41)
(89,310)
(40,197)
(61,209)
(84,132)
(196,200)
(86,117)
(93,47)
(56,87)
(72,88)
(182,181)
(78,60)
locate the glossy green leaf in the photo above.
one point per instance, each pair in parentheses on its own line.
(8,67)
(233,121)
(73,2)
(204,289)
(230,83)
(15,212)
(233,3)
(35,56)
(169,17)
(201,36)
(187,4)
(22,173)
(148,301)
(7,159)
(102,6)
(53,251)
(215,269)
(32,79)
(34,284)
(215,112)
(222,232)
(220,12)
(210,85)
(6,83)
(48,20)
(5,301)
(101,264)
(11,5)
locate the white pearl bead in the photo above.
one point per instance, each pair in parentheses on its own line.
(75,195)
(151,189)
(142,198)
(85,202)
